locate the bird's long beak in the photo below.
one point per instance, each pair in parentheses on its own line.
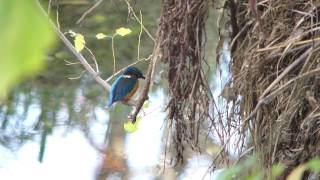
(142,77)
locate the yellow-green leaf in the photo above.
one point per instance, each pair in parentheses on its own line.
(314,165)
(25,37)
(146,105)
(276,170)
(101,36)
(130,127)
(213,149)
(123,31)
(79,42)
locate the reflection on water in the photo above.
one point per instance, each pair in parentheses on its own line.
(70,155)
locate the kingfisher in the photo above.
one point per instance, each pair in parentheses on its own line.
(125,86)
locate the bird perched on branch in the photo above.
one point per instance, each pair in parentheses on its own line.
(125,86)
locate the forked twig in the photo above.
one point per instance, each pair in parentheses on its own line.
(140,22)
(93,58)
(77,77)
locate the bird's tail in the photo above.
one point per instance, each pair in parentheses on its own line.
(110,102)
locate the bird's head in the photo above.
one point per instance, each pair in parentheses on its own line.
(133,72)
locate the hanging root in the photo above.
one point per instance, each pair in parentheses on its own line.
(182,32)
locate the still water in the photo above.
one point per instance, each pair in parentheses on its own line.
(69,153)
(56,128)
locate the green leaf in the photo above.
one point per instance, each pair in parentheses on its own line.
(236,171)
(25,37)
(314,165)
(130,127)
(255,176)
(79,42)
(228,174)
(123,31)
(276,170)
(101,36)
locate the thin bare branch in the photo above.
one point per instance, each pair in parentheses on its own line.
(68,63)
(89,11)
(113,54)
(140,22)
(77,77)
(139,40)
(93,58)
(49,7)
(309,41)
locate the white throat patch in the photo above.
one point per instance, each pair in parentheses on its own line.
(126,76)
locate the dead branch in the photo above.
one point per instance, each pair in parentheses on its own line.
(148,82)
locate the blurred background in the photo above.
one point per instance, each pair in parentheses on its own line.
(56,124)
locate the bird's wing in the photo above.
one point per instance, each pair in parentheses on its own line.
(121,88)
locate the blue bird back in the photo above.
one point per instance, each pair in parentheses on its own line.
(121,87)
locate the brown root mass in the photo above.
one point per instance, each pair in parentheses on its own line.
(181,32)
(275,73)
